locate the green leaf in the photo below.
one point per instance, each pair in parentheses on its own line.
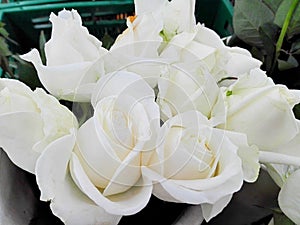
(269,33)
(3,32)
(289,64)
(248,16)
(257,53)
(282,12)
(6,70)
(26,73)
(280,218)
(4,50)
(107,41)
(295,47)
(273,4)
(294,26)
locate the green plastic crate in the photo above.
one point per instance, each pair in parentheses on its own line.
(215,14)
(24,24)
(12,4)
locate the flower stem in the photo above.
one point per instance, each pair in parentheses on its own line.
(278,158)
(285,27)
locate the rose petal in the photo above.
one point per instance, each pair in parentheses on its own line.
(56,184)
(45,169)
(289,197)
(248,154)
(127,203)
(271,99)
(98,154)
(211,210)
(142,7)
(62,81)
(240,62)
(208,37)
(17,141)
(200,191)
(122,82)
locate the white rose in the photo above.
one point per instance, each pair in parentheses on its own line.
(137,48)
(30,121)
(113,144)
(94,176)
(67,201)
(73,58)
(262,110)
(158,18)
(180,91)
(195,163)
(203,49)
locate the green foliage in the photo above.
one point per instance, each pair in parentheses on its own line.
(280,218)
(249,16)
(259,26)
(294,27)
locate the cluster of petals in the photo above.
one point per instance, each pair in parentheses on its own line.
(175,113)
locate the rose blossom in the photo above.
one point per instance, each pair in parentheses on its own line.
(101,167)
(261,110)
(202,49)
(195,163)
(73,58)
(180,91)
(30,120)
(137,49)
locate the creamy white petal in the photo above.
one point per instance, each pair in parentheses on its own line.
(62,81)
(122,82)
(142,7)
(97,152)
(240,63)
(19,133)
(248,154)
(209,211)
(207,190)
(291,147)
(250,106)
(126,203)
(208,37)
(56,185)
(289,197)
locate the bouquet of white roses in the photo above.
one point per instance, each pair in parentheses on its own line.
(169,110)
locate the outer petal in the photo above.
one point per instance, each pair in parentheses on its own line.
(122,82)
(248,154)
(18,134)
(70,38)
(289,197)
(202,191)
(126,203)
(249,107)
(63,81)
(179,16)
(142,7)
(240,62)
(208,37)
(56,184)
(292,147)
(211,210)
